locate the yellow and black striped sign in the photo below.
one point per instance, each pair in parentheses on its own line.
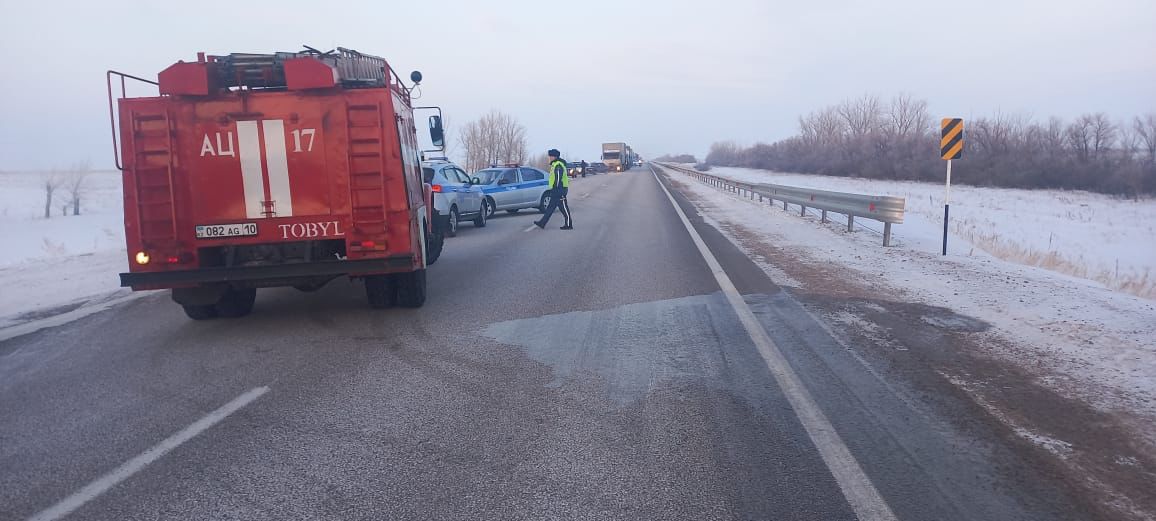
(951,142)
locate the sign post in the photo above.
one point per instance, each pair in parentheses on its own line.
(950,147)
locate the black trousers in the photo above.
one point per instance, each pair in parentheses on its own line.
(558,201)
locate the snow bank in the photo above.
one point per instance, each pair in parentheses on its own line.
(51,265)
(1091,236)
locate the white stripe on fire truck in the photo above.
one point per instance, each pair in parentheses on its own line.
(278,163)
(249,148)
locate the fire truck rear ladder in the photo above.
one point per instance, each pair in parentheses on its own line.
(152,143)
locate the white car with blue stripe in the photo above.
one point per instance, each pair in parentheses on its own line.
(513,188)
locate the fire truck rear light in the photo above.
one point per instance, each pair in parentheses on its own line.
(436,188)
(142,258)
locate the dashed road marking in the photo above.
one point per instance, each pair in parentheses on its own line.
(104,483)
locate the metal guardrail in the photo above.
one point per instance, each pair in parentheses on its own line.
(885,209)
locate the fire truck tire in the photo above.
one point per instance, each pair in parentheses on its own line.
(480,220)
(196,312)
(237,303)
(410,288)
(452,226)
(434,242)
(381,291)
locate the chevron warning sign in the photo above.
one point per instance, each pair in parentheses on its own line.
(951,142)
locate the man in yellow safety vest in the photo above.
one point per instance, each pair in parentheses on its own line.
(559,184)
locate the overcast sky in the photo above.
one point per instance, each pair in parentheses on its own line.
(669,76)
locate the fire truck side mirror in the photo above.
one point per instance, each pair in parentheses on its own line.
(436,134)
(415,77)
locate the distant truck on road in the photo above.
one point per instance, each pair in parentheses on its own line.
(260,170)
(617,156)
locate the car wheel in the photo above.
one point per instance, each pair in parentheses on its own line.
(410,288)
(515,210)
(197,312)
(452,229)
(237,303)
(480,220)
(544,203)
(491,207)
(380,291)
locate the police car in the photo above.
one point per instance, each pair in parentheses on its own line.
(513,188)
(456,196)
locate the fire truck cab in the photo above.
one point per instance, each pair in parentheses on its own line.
(251,171)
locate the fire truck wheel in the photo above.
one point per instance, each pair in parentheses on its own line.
(381,291)
(237,303)
(200,312)
(410,288)
(434,242)
(452,228)
(480,220)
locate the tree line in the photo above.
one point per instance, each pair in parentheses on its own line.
(899,139)
(676,158)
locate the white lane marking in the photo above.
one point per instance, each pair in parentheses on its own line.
(132,466)
(278,162)
(249,147)
(114,298)
(531,228)
(864,499)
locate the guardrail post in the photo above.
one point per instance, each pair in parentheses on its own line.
(784,206)
(824,219)
(802,211)
(850,223)
(886,234)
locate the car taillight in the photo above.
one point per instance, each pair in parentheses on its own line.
(436,188)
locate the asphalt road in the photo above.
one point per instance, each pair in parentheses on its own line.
(597,373)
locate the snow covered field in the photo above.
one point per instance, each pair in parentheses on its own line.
(51,265)
(1091,236)
(1085,340)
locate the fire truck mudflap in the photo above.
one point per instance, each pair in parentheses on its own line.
(290,169)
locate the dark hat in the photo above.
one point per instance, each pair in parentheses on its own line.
(554,152)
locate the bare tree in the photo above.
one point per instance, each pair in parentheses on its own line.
(1053,137)
(1080,137)
(861,116)
(51,181)
(723,153)
(907,117)
(493,138)
(824,127)
(1103,135)
(74,184)
(1145,128)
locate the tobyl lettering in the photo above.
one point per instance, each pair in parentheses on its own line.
(310,230)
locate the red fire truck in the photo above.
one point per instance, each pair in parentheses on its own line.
(260,170)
